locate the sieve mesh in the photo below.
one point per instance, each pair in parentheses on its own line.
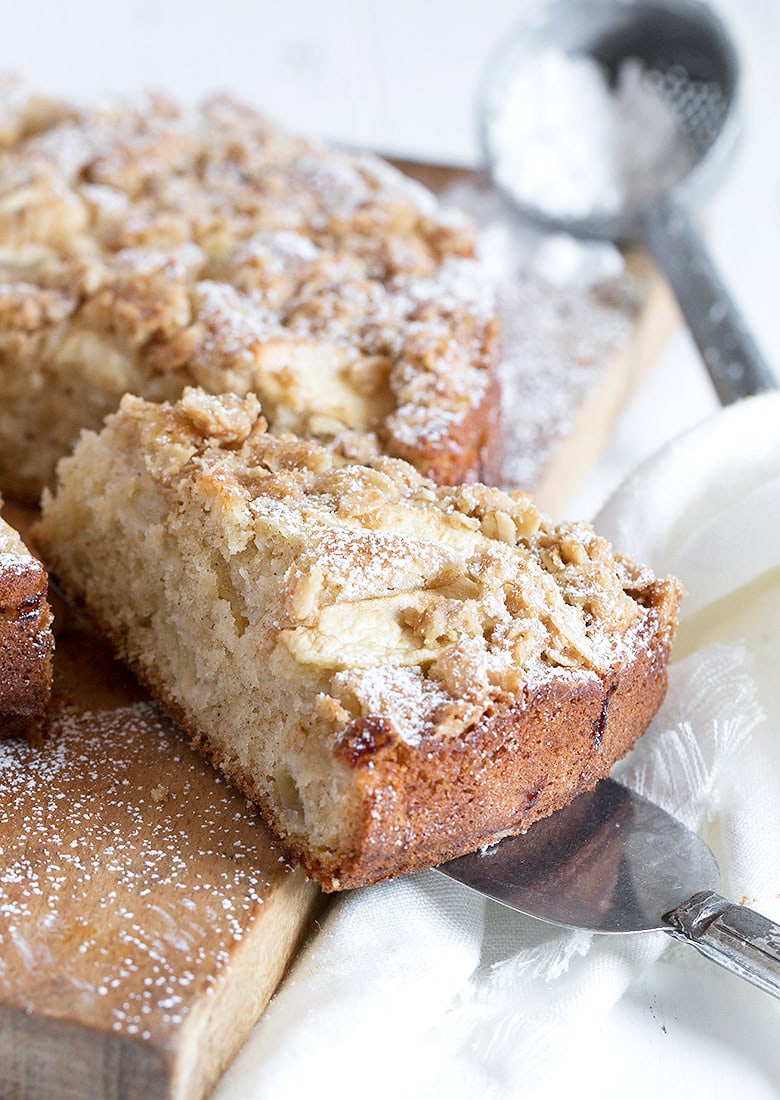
(699,106)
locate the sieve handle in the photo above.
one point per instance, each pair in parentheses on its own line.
(735,364)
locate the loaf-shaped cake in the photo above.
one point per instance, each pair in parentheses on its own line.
(26,640)
(395,672)
(144,248)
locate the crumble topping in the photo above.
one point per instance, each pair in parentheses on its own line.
(423,599)
(210,248)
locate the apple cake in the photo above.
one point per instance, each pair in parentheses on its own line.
(26,640)
(145,247)
(395,672)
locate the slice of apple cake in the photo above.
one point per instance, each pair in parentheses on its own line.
(394,672)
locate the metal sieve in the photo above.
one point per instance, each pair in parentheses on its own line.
(689,59)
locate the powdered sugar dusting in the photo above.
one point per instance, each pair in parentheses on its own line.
(457,284)
(233,321)
(361,564)
(12,564)
(68,147)
(288,240)
(13,552)
(567,308)
(280,248)
(405,693)
(558,345)
(129,872)
(411,423)
(176,262)
(386,177)
(567,143)
(336,180)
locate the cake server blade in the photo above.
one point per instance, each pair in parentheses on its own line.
(614,862)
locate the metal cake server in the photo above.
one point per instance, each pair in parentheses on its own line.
(612,862)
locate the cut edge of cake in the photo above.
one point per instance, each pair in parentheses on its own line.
(396,673)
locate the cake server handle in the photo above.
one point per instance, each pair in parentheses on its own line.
(734,362)
(733,936)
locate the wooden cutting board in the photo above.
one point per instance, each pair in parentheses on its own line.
(146,916)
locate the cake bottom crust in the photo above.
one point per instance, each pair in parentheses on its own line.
(424,804)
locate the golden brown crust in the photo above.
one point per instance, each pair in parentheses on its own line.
(431,802)
(144,248)
(525,760)
(26,641)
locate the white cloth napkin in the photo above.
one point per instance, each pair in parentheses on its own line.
(419,988)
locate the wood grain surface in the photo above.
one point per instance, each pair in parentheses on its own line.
(146,916)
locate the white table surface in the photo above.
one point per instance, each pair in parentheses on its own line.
(401,76)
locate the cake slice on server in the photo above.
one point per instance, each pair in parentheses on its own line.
(393,671)
(26,640)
